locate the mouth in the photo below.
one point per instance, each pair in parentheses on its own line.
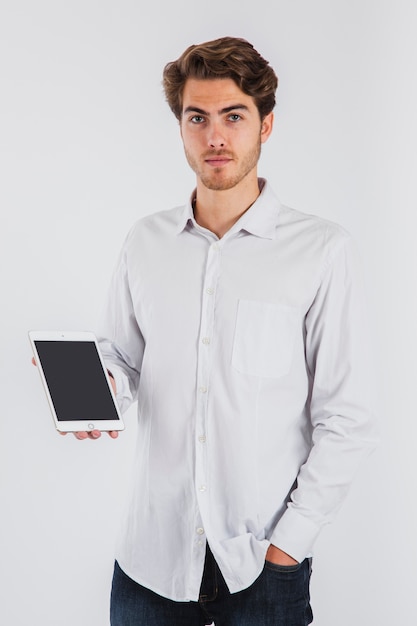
(217,161)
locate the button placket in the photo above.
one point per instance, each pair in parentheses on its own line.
(203,383)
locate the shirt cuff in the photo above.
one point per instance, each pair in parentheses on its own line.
(295,535)
(123,395)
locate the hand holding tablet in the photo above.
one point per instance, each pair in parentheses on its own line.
(77,385)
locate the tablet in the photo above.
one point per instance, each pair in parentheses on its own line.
(76,381)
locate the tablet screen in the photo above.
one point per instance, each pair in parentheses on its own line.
(76,380)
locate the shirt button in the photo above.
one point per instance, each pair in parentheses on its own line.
(200,531)
(202,439)
(215,246)
(206,340)
(202,488)
(210,291)
(202,389)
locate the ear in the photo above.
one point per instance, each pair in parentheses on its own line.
(266,127)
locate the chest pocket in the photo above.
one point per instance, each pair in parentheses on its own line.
(264,338)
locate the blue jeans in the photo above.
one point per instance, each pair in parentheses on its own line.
(279,597)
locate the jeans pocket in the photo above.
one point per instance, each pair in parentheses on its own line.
(276,567)
(292,585)
(264,338)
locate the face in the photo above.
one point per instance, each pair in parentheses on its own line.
(222,132)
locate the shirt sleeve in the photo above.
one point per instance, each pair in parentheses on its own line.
(120,338)
(341,405)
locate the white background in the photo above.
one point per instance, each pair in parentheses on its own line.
(88,145)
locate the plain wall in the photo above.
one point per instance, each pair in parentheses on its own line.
(87,146)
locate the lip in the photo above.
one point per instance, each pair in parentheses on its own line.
(218,161)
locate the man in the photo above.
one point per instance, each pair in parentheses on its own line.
(236,323)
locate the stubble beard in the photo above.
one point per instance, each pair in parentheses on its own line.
(217,180)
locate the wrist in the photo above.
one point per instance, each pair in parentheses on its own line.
(278,556)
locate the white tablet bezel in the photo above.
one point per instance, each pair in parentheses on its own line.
(76,425)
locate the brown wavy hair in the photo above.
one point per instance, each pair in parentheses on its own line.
(227,57)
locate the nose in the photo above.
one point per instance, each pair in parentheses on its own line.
(216,138)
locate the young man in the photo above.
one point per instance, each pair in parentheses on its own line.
(236,323)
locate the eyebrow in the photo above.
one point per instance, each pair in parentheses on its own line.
(235,107)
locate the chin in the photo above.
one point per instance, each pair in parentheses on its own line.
(220,185)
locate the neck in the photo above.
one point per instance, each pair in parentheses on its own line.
(218,211)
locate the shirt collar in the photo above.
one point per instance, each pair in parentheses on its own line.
(186,216)
(260,219)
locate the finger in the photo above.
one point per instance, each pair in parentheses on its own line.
(81,435)
(94,434)
(113,434)
(33,361)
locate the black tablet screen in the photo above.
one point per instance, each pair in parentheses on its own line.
(76,380)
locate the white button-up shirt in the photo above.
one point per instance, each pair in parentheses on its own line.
(248,358)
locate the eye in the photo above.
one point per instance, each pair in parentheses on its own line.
(197,119)
(234,117)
